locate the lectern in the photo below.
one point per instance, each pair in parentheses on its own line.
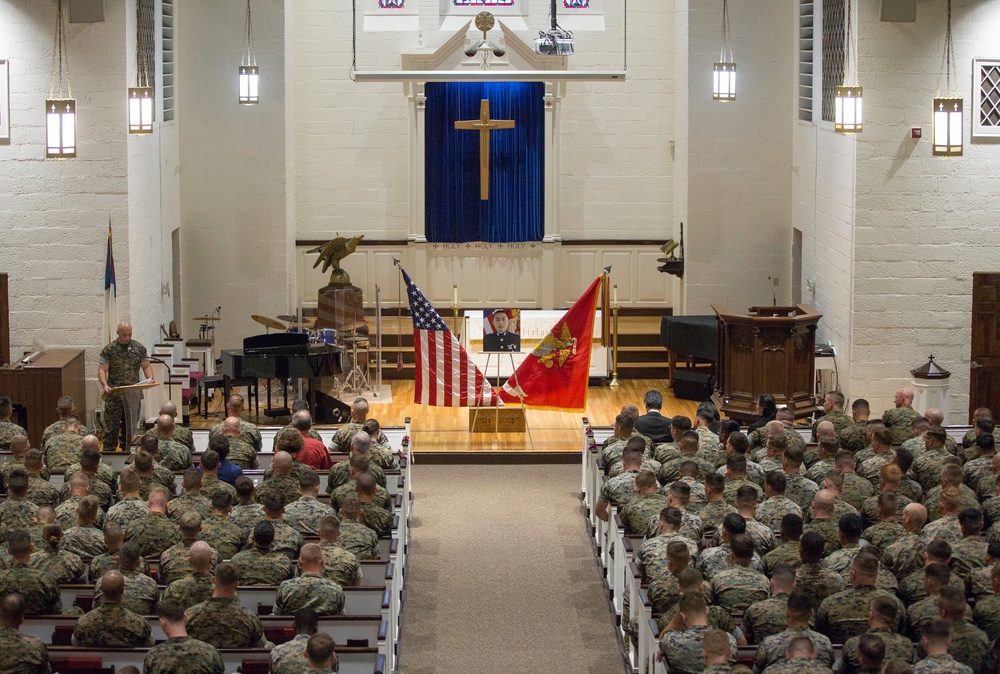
(769,350)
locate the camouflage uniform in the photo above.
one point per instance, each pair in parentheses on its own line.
(664,452)
(854,438)
(211,485)
(297,471)
(899,421)
(249,435)
(260,567)
(182,434)
(105,473)
(112,626)
(141,593)
(772,650)
(63,450)
(175,562)
(340,473)
(818,582)
(896,647)
(241,453)
(911,489)
(97,488)
(618,468)
(733,485)
(905,554)
(39,589)
(829,530)
(188,502)
(765,618)
(978,584)
(715,560)
(153,533)
(340,565)
(17,512)
(818,470)
(968,554)
(911,587)
(376,518)
(652,555)
(247,516)
(968,646)
(8,430)
(14,462)
(41,493)
(871,468)
(845,614)
(190,590)
(101,564)
(611,452)
(310,589)
(174,455)
(713,514)
(800,489)
(940,664)
(926,468)
(737,587)
(383,456)
(123,361)
(883,534)
(127,511)
(289,658)
(786,553)
(986,616)
(636,513)
(923,612)
(856,490)
(969,439)
(65,567)
(617,491)
(800,665)
(305,513)
(763,538)
(84,541)
(223,623)
(359,539)
(284,485)
(946,527)
(224,535)
(771,512)
(869,509)
(381,498)
(754,473)
(841,422)
(66,513)
(699,498)
(342,438)
(183,654)
(29,653)
(932,501)
(287,540)
(60,427)
(683,653)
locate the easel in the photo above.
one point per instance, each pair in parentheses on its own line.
(496,409)
(131,398)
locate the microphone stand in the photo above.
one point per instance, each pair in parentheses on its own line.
(170,376)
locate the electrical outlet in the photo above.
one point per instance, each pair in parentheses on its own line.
(774,281)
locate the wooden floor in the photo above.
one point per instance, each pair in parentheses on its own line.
(445,429)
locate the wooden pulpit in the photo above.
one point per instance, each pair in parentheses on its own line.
(769,350)
(38,386)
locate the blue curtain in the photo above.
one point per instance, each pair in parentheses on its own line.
(515,209)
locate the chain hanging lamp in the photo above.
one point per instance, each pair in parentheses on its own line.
(141,101)
(948,123)
(724,72)
(249,73)
(60,110)
(848,116)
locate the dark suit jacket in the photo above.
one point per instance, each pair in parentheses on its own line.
(654,426)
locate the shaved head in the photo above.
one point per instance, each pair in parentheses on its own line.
(201,557)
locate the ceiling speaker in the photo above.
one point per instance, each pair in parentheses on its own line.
(86,11)
(899,11)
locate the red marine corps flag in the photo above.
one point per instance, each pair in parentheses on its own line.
(554,375)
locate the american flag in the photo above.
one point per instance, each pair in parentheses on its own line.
(445,376)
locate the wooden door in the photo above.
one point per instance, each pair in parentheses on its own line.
(984,380)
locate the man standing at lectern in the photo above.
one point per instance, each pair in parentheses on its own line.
(119,366)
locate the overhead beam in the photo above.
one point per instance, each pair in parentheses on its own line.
(489,76)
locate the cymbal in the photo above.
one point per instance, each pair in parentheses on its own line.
(353,339)
(293,320)
(351,326)
(207,318)
(268,322)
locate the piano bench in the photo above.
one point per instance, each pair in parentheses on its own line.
(218,382)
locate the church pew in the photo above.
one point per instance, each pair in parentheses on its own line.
(352,660)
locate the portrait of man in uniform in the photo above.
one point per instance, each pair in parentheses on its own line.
(500,331)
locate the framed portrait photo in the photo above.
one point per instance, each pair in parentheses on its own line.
(501,330)
(4,101)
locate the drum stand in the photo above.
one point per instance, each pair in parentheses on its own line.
(357,379)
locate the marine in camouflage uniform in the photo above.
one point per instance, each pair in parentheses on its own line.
(969,646)
(770,512)
(41,493)
(618,468)
(310,589)
(175,455)
(38,588)
(284,485)
(713,514)
(340,474)
(342,438)
(298,468)
(670,470)
(926,468)
(800,489)
(241,453)
(66,513)
(818,582)
(733,485)
(223,623)
(617,491)
(845,614)
(772,650)
(112,626)
(737,587)
(246,516)
(98,488)
(105,473)
(970,500)
(896,647)
(882,534)
(187,503)
(84,541)
(183,654)
(683,652)
(854,492)
(190,590)
(925,611)
(799,665)
(175,562)
(968,554)
(899,421)
(153,533)
(978,584)
(905,555)
(65,567)
(17,512)
(763,537)
(841,421)
(940,664)
(818,470)
(249,435)
(127,511)
(946,527)
(911,587)
(665,451)
(305,513)
(211,485)
(287,540)
(289,657)
(27,654)
(714,560)
(869,509)
(986,616)
(18,462)
(359,539)
(181,433)
(828,529)
(224,535)
(63,450)
(636,513)
(652,556)
(8,430)
(140,596)
(60,427)
(699,498)
(260,566)
(755,473)
(101,564)
(376,518)
(765,618)
(340,565)
(786,553)
(123,362)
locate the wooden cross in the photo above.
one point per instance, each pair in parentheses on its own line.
(484,125)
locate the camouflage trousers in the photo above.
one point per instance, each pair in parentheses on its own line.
(115,420)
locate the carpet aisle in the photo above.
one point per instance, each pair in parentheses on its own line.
(502,577)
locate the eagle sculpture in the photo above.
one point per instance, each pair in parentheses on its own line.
(332,253)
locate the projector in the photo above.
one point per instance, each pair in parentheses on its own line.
(555,42)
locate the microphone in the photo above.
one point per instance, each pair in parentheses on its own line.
(774,297)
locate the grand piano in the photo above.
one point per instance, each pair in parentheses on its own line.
(283,355)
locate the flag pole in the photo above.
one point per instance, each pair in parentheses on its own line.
(615,308)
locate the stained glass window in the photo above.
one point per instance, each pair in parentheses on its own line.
(576,4)
(484,3)
(391,4)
